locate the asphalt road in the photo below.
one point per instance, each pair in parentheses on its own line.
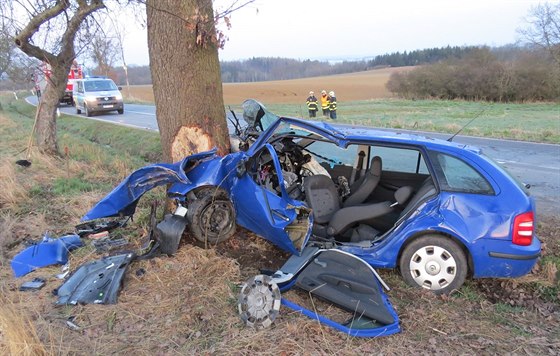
(537,164)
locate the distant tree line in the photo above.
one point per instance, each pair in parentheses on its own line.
(483,74)
(421,56)
(258,69)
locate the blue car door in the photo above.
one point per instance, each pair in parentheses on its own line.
(263,205)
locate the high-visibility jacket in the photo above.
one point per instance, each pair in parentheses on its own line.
(312,103)
(332,103)
(325,103)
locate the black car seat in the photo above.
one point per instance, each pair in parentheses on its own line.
(331,218)
(426,189)
(364,186)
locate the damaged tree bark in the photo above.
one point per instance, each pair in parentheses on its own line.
(186,77)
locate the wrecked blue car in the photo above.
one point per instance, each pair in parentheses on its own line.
(437,210)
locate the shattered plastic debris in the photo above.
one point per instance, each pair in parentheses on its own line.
(35,284)
(106,245)
(48,252)
(96,282)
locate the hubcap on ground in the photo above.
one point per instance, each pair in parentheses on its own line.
(259,302)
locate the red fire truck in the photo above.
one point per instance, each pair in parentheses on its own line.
(43,76)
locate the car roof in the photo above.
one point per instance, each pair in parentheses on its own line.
(365,133)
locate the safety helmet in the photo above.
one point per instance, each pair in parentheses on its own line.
(311,93)
(331,93)
(324,92)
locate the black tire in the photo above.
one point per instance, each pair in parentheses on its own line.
(211,217)
(78,111)
(120,111)
(86,111)
(434,262)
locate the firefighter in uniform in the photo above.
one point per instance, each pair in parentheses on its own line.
(325,103)
(312,104)
(332,105)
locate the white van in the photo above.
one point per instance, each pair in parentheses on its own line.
(94,95)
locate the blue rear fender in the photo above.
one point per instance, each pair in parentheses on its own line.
(499,258)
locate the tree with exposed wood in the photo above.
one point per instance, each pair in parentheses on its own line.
(49,35)
(183,46)
(543,28)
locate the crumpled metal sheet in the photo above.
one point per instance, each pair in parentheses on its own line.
(48,252)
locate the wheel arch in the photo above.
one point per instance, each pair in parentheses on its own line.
(198,192)
(453,238)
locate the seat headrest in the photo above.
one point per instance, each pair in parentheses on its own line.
(403,194)
(375,167)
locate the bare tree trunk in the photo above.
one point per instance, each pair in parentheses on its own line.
(46,121)
(186,77)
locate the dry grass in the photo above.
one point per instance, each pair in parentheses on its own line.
(348,87)
(12,191)
(17,332)
(186,304)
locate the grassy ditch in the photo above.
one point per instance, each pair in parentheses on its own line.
(187,304)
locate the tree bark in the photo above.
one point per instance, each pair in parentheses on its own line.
(186,77)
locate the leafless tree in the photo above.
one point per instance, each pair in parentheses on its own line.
(120,34)
(7,45)
(543,28)
(104,52)
(47,30)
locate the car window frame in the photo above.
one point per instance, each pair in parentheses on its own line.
(442,180)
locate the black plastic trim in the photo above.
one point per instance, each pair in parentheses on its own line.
(514,257)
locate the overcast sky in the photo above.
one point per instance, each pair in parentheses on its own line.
(338,29)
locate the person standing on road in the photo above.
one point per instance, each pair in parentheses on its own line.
(312,104)
(332,105)
(325,103)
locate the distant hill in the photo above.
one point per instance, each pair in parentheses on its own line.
(259,69)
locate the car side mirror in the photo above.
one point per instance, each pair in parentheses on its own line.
(120,88)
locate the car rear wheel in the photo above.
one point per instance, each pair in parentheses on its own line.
(211,216)
(434,262)
(78,111)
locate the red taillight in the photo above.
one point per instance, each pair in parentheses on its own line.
(523,228)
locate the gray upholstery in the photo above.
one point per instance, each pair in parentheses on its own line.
(346,217)
(403,194)
(363,187)
(426,190)
(330,218)
(321,196)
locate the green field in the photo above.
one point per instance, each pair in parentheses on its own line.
(538,122)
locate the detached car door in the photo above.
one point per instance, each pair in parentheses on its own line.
(263,205)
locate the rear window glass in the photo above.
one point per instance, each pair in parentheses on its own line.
(400,159)
(458,176)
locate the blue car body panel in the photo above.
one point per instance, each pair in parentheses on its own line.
(48,252)
(481,223)
(123,199)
